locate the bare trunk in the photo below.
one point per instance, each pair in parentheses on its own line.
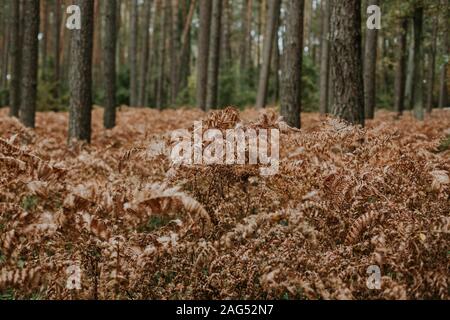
(109,68)
(273,16)
(418,70)
(443,82)
(16,52)
(346,61)
(400,75)
(291,76)
(133,53)
(325,57)
(432,66)
(80,75)
(145,54)
(203,52)
(30,52)
(214,56)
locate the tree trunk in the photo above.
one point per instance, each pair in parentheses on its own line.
(145,54)
(370,63)
(226,32)
(418,70)
(409,94)
(174,49)
(273,16)
(214,56)
(4,52)
(443,87)
(30,51)
(57,32)
(133,53)
(160,101)
(14,96)
(400,69)
(203,52)
(80,75)
(247,14)
(325,57)
(291,76)
(432,66)
(109,67)
(346,61)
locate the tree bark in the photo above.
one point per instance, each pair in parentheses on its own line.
(160,91)
(203,52)
(418,70)
(273,16)
(432,66)
(291,76)
(145,54)
(409,94)
(443,86)
(80,75)
(57,48)
(247,14)
(174,49)
(214,56)
(400,75)
(325,57)
(370,63)
(133,53)
(16,52)
(346,61)
(109,67)
(30,51)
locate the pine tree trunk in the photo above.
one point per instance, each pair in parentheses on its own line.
(174,49)
(44,39)
(30,51)
(409,94)
(400,75)
(160,91)
(291,76)
(325,57)
(443,82)
(432,66)
(203,52)
(80,75)
(57,48)
(418,70)
(109,67)
(247,14)
(133,53)
(4,51)
(370,63)
(226,33)
(145,54)
(14,96)
(214,55)
(346,61)
(273,16)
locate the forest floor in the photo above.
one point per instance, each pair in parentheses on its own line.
(119,223)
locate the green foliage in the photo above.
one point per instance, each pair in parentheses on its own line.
(47,100)
(444,145)
(310,88)
(29,203)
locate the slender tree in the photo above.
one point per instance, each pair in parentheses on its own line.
(16,52)
(346,61)
(145,54)
(400,75)
(272,22)
(292,64)
(109,58)
(133,53)
(80,75)
(370,63)
(30,50)
(418,70)
(203,52)
(214,55)
(174,49)
(443,81)
(325,57)
(247,14)
(57,35)
(432,66)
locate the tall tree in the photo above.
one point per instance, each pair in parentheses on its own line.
(418,70)
(400,75)
(346,61)
(203,52)
(57,35)
(174,49)
(291,75)
(214,55)
(145,54)
(133,53)
(325,57)
(30,50)
(160,92)
(4,50)
(409,90)
(80,75)
(432,66)
(16,52)
(272,22)
(370,63)
(443,82)
(109,58)
(247,14)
